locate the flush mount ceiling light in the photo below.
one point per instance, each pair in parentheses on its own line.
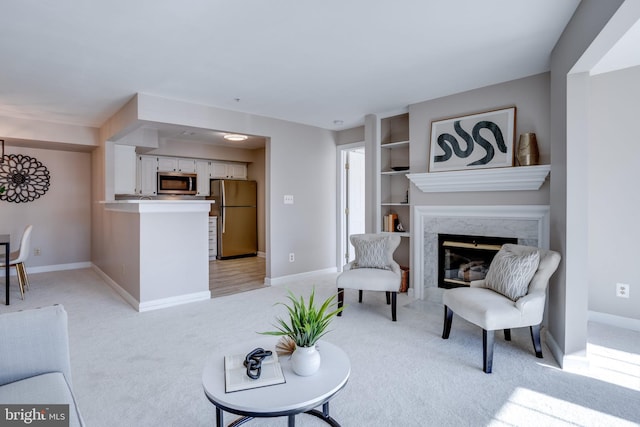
(235,137)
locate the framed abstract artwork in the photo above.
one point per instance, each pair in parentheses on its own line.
(475,141)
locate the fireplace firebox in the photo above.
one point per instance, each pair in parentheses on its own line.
(463,259)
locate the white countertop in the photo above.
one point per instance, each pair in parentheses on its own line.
(155,206)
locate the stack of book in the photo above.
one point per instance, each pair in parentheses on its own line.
(390,222)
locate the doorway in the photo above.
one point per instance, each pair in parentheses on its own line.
(352,199)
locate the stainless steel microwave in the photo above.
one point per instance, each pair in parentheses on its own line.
(177,183)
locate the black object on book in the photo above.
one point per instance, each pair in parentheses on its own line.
(253,362)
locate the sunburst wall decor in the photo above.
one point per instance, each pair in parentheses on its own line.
(24,178)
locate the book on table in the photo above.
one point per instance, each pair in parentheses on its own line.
(235,373)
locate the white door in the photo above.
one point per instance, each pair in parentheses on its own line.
(353,198)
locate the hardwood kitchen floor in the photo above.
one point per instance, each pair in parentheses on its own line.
(231,276)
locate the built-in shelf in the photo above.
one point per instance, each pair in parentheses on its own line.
(498,179)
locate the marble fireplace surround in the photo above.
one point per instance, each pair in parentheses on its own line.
(528,223)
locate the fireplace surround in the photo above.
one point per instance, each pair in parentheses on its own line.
(527,224)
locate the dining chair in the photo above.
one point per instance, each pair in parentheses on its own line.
(18,258)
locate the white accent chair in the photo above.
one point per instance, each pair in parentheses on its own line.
(385,277)
(18,258)
(485,307)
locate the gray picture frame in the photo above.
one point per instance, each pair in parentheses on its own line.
(474,141)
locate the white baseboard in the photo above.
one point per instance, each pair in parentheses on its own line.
(124,294)
(292,277)
(613,320)
(55,267)
(153,304)
(173,301)
(571,362)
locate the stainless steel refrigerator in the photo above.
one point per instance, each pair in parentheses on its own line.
(236,208)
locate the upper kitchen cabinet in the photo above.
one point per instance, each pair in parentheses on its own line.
(125,169)
(228,170)
(203,171)
(147,175)
(175,164)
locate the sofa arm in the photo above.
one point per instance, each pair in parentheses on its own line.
(34,342)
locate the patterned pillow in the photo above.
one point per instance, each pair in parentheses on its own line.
(510,273)
(371,253)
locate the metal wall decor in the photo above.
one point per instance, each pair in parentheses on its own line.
(24,178)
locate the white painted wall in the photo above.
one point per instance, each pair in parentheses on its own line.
(568,290)
(61,218)
(614,199)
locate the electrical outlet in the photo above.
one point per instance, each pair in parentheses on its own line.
(37,251)
(622,290)
(292,257)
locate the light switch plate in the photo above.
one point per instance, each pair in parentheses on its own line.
(288,199)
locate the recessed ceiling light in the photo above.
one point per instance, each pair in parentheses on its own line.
(235,137)
(338,122)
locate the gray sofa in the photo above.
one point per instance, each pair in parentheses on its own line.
(34,360)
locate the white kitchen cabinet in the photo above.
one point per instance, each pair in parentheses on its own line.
(124,157)
(187,165)
(147,175)
(176,164)
(228,170)
(202,169)
(218,170)
(213,237)
(237,170)
(167,164)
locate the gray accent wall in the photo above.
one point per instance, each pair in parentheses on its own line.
(530,96)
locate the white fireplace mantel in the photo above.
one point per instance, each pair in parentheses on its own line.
(498,179)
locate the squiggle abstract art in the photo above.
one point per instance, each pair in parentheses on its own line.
(476,141)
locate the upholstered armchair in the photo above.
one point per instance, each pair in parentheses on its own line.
(512,295)
(373,268)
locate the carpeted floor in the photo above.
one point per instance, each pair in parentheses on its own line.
(144,369)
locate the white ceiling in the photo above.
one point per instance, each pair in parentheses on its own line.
(78,62)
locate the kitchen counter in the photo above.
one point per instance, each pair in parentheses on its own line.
(149,206)
(158,251)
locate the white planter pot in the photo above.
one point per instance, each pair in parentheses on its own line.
(305,361)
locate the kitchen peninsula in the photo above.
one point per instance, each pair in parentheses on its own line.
(159,251)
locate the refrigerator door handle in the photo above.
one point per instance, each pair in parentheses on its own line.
(222,199)
(223,218)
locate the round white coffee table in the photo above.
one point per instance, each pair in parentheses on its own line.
(297,395)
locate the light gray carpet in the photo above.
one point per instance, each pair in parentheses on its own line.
(144,369)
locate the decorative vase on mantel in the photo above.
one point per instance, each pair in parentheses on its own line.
(305,361)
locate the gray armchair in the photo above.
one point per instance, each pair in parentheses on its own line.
(512,295)
(373,268)
(34,360)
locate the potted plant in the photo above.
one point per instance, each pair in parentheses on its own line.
(307,324)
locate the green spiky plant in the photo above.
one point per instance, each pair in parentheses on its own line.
(307,323)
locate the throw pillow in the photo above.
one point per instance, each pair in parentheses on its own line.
(510,273)
(371,253)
